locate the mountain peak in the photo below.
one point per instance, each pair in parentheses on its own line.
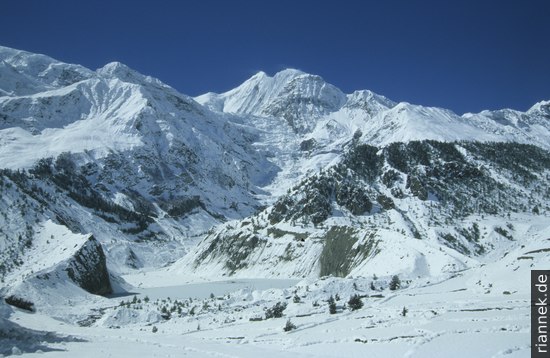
(542,108)
(121,71)
(259,76)
(290,94)
(124,73)
(8,51)
(20,57)
(277,80)
(114,67)
(369,101)
(289,73)
(24,73)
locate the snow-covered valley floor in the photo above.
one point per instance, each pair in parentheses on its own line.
(481,312)
(478,310)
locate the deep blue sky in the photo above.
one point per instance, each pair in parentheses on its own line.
(463,55)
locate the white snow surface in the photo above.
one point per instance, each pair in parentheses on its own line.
(483,311)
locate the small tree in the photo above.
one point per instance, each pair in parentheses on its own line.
(155,329)
(395,283)
(289,326)
(275,311)
(404,312)
(165,313)
(355,302)
(372,286)
(331,305)
(296,299)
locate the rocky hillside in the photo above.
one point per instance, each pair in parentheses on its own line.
(419,208)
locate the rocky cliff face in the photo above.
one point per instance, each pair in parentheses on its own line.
(88,268)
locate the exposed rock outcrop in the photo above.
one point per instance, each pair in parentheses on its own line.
(88,268)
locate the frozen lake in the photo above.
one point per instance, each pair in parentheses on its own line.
(218,288)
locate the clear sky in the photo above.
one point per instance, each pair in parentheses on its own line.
(464,55)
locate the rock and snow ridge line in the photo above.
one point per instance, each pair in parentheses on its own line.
(311,106)
(303,102)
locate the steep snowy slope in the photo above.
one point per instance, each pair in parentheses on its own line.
(135,134)
(418,209)
(307,124)
(161,135)
(116,155)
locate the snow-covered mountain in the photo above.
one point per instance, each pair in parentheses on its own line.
(316,109)
(420,209)
(308,123)
(110,174)
(296,97)
(139,144)
(117,155)
(183,164)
